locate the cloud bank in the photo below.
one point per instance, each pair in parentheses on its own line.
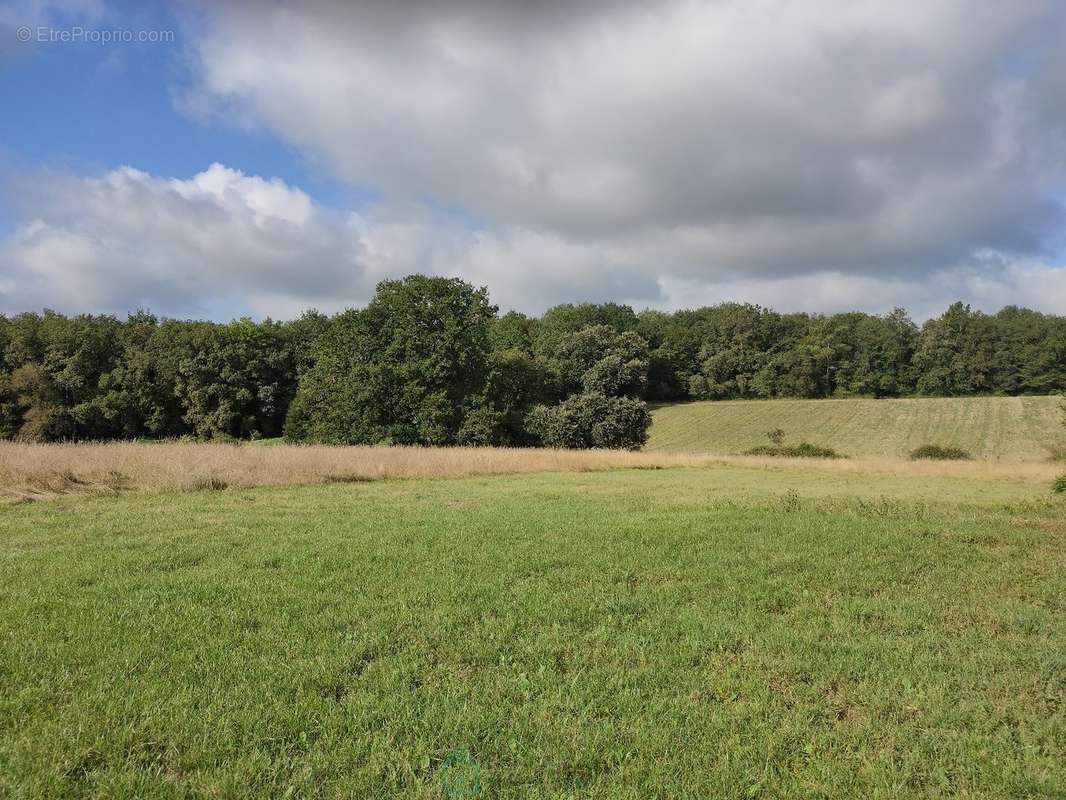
(218,243)
(810,155)
(714,137)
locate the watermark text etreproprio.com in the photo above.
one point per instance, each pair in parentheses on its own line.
(76,34)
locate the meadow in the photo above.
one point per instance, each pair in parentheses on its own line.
(31,472)
(690,628)
(997,428)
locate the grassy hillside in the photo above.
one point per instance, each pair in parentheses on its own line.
(717,632)
(1012,428)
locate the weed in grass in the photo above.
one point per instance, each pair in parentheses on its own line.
(1060,484)
(790,502)
(460,776)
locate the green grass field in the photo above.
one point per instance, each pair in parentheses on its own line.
(1009,428)
(686,633)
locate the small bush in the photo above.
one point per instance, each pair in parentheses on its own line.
(1060,484)
(776,436)
(937,453)
(801,450)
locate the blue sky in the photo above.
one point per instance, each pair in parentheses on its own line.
(89,107)
(291,155)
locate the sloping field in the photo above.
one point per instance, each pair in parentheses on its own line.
(1010,428)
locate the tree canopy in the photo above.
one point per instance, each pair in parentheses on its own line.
(407,369)
(430,362)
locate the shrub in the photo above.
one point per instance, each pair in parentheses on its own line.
(591,420)
(801,450)
(1059,485)
(937,453)
(624,426)
(776,436)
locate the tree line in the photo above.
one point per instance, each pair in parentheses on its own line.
(430,361)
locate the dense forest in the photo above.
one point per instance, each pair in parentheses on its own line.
(430,361)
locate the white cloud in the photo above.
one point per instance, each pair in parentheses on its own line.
(988,287)
(812,155)
(222,243)
(218,243)
(721,139)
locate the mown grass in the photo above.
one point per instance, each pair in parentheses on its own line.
(1005,428)
(715,632)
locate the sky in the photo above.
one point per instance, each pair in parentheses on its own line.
(215,160)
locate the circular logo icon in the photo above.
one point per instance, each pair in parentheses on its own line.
(460,776)
(23,33)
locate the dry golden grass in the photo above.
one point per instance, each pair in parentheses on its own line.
(1026,472)
(30,471)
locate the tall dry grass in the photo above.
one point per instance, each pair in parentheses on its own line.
(30,471)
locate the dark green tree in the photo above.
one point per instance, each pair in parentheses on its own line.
(406,369)
(428,362)
(562,321)
(514,331)
(956,353)
(738,347)
(516,383)
(601,360)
